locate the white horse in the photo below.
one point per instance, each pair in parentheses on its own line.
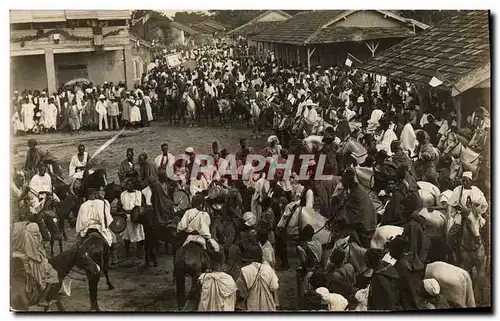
(190,106)
(455,283)
(355,148)
(296,217)
(428,192)
(468,157)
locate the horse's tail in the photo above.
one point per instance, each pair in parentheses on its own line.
(470,301)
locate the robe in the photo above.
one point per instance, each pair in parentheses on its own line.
(217,293)
(75,162)
(127,170)
(33,158)
(50,116)
(384,289)
(146,171)
(384,142)
(460,195)
(27,114)
(408,139)
(360,216)
(257,285)
(41,184)
(134,232)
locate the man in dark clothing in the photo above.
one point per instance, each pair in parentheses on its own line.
(384,294)
(330,150)
(432,129)
(401,158)
(384,171)
(358,217)
(411,272)
(33,158)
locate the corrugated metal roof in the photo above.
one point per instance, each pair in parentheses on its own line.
(30,16)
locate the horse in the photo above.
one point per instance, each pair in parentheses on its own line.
(471,253)
(428,192)
(354,148)
(26,292)
(455,284)
(225,112)
(468,157)
(190,106)
(241,108)
(99,251)
(256,121)
(190,260)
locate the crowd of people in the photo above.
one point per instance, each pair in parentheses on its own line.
(365,121)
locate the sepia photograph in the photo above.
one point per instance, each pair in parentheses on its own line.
(250,160)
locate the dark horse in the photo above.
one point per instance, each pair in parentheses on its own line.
(191,260)
(99,251)
(25,291)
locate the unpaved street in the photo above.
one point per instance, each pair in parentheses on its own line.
(136,288)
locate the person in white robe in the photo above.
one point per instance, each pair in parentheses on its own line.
(198,185)
(335,301)
(41,183)
(165,159)
(50,115)
(43,103)
(408,139)
(135,112)
(130,199)
(149,110)
(196,219)
(216,290)
(257,285)
(95,214)
(17,124)
(373,123)
(78,163)
(460,195)
(385,139)
(27,114)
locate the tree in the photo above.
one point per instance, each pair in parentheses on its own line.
(190,18)
(429,17)
(146,23)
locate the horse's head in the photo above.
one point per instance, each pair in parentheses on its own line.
(289,221)
(83,261)
(451,145)
(474,221)
(455,169)
(342,244)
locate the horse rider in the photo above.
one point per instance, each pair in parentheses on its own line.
(41,184)
(460,195)
(195,226)
(95,216)
(53,168)
(78,164)
(165,159)
(33,157)
(28,247)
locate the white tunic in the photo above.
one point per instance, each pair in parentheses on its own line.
(218,292)
(262,282)
(27,113)
(384,142)
(135,114)
(50,116)
(476,196)
(75,162)
(162,161)
(408,138)
(91,215)
(41,183)
(134,231)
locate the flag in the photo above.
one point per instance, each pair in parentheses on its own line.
(106,144)
(348,62)
(435,82)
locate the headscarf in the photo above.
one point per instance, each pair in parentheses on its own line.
(431,286)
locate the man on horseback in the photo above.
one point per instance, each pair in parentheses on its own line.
(127,168)
(78,165)
(165,159)
(33,158)
(27,245)
(94,216)
(195,226)
(41,184)
(458,199)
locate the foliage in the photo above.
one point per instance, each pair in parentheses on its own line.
(45,34)
(145,28)
(190,17)
(429,17)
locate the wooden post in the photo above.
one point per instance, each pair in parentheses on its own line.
(298,55)
(309,55)
(372,47)
(457,102)
(50,71)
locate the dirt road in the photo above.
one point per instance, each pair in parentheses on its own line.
(136,288)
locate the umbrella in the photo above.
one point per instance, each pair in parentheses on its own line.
(77,81)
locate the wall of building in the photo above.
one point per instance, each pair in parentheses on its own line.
(104,66)
(28,72)
(272,16)
(368,18)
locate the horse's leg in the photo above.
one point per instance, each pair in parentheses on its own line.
(105,267)
(180,288)
(60,245)
(93,282)
(60,306)
(61,228)
(51,247)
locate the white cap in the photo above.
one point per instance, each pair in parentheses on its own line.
(431,286)
(249,218)
(361,99)
(272,138)
(309,102)
(102,96)
(189,150)
(467,174)
(445,196)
